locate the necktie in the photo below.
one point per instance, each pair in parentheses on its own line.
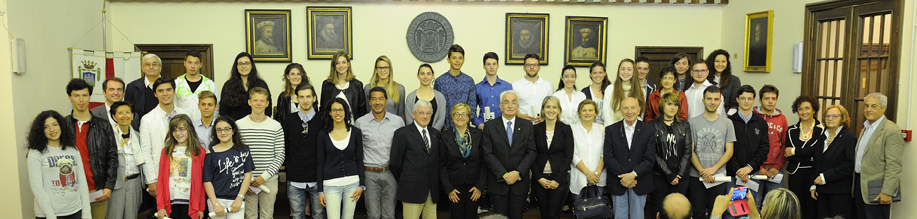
(509,133)
(426,141)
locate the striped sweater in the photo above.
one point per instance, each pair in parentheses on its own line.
(265,141)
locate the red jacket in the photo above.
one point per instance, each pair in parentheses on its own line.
(776,134)
(197,199)
(652,105)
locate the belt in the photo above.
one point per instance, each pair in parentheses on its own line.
(377,169)
(126,178)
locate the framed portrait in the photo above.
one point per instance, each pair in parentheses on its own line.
(525,34)
(584,40)
(330,31)
(758,37)
(267,35)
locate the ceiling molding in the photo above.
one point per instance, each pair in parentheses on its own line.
(612,2)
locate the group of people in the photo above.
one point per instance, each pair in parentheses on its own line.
(185,151)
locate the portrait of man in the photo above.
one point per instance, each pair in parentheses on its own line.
(586,48)
(266,43)
(757,42)
(330,35)
(527,39)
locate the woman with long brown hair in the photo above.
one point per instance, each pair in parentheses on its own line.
(180,191)
(624,86)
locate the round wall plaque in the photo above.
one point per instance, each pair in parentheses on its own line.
(430,36)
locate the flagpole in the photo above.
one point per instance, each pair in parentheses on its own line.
(104,30)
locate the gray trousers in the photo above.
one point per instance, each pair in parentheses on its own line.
(125,202)
(381,189)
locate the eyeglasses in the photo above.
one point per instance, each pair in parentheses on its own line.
(460,115)
(245,63)
(530,65)
(337,110)
(305,129)
(832,116)
(383,68)
(420,113)
(180,129)
(227,129)
(509,103)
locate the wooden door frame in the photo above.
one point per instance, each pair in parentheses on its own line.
(644,50)
(811,45)
(205,49)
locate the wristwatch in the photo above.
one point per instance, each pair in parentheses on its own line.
(241,196)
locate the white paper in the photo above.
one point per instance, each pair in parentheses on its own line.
(717,182)
(751,184)
(255,189)
(93,196)
(716,178)
(777,178)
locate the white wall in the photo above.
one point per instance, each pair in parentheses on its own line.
(380,28)
(9,155)
(48,27)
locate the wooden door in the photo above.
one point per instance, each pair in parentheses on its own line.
(173,58)
(854,45)
(661,57)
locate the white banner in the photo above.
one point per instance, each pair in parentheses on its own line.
(91,67)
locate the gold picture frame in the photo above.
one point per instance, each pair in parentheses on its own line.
(585,40)
(330,31)
(758,51)
(526,33)
(267,35)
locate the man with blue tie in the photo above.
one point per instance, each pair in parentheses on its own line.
(630,151)
(509,151)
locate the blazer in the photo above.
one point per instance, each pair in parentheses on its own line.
(640,158)
(354,94)
(99,111)
(134,143)
(415,169)
(836,163)
(751,145)
(154,127)
(882,159)
(501,157)
(439,118)
(802,147)
(560,154)
(457,170)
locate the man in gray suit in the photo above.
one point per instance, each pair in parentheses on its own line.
(878,160)
(113,90)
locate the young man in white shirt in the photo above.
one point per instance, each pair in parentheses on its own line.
(154,126)
(532,89)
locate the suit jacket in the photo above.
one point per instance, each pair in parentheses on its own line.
(639,158)
(836,163)
(458,170)
(882,159)
(416,170)
(502,158)
(560,154)
(99,111)
(802,147)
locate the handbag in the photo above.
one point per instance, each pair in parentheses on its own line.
(592,204)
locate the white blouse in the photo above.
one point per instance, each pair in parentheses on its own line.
(588,148)
(568,106)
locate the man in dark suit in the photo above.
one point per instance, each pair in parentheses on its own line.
(509,151)
(415,164)
(113,90)
(630,150)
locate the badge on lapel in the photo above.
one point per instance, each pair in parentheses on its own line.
(756,131)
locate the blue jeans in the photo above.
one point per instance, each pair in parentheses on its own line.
(338,201)
(628,205)
(297,198)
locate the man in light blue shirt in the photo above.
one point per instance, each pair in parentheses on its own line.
(378,129)
(207,104)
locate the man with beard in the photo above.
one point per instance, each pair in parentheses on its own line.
(328,38)
(266,43)
(526,44)
(586,50)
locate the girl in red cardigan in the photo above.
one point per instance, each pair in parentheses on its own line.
(181,192)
